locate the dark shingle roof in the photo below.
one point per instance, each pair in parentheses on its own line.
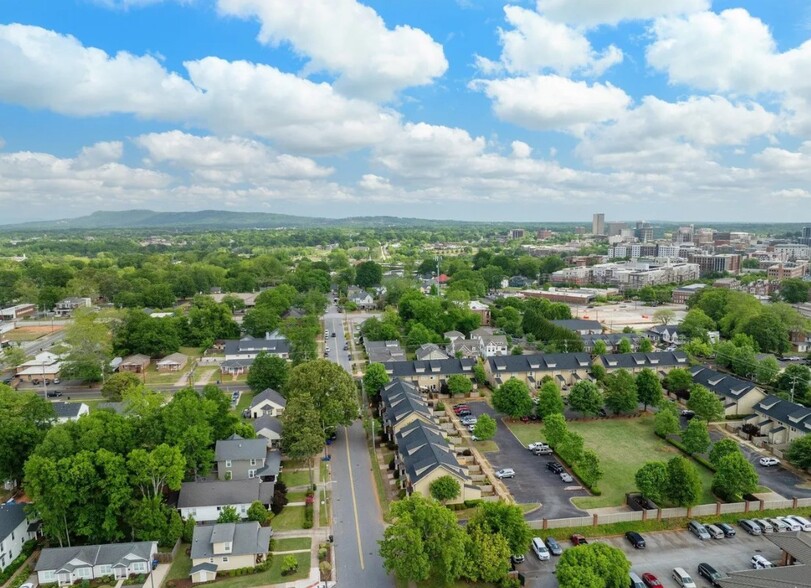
(271,395)
(444,367)
(782,577)
(422,449)
(578,324)
(194,494)
(796,544)
(721,383)
(203,567)
(789,413)
(246,539)
(55,558)
(402,399)
(539,362)
(67,410)
(236,363)
(237,448)
(610,338)
(11,515)
(268,422)
(253,345)
(273,463)
(639,360)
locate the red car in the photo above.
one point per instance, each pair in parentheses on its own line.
(651,581)
(460,407)
(578,539)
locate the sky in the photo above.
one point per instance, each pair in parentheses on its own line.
(681,110)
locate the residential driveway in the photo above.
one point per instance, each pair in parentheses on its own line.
(779,479)
(532,481)
(668,550)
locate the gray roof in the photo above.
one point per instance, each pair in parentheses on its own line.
(237,448)
(11,515)
(246,539)
(175,358)
(796,544)
(722,384)
(268,422)
(203,567)
(235,363)
(539,362)
(194,494)
(782,577)
(785,412)
(610,338)
(402,399)
(271,395)
(422,449)
(56,558)
(443,367)
(137,359)
(382,351)
(651,360)
(67,410)
(273,463)
(578,324)
(430,349)
(252,345)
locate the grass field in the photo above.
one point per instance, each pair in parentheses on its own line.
(292,543)
(181,566)
(623,445)
(486,446)
(290,519)
(297,478)
(271,576)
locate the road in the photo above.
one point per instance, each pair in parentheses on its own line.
(357,519)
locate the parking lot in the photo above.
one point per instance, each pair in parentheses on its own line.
(532,481)
(666,551)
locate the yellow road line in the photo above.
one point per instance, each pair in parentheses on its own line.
(354,500)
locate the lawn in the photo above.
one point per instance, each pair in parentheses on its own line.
(292,543)
(296,478)
(245,398)
(486,446)
(153,376)
(323,513)
(623,445)
(181,566)
(272,575)
(290,519)
(296,496)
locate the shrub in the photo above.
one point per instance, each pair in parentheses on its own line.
(279,497)
(308,516)
(326,570)
(510,582)
(473,503)
(322,553)
(440,406)
(289,565)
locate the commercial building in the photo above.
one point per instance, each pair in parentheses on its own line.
(682,294)
(716,263)
(787,269)
(515,234)
(598,224)
(629,275)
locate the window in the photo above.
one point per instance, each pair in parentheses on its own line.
(139,566)
(253,462)
(227,546)
(84,572)
(224,559)
(228,463)
(48,577)
(106,570)
(251,473)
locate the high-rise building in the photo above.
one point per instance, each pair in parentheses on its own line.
(806,235)
(616,228)
(598,224)
(515,234)
(643,232)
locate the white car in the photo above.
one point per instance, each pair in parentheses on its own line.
(759,562)
(505,473)
(804,523)
(537,445)
(768,461)
(540,549)
(566,477)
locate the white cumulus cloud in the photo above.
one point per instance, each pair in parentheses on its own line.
(595,12)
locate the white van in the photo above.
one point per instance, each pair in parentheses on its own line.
(540,549)
(714,531)
(804,523)
(682,578)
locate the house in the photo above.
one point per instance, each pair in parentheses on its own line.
(423,455)
(269,428)
(453,335)
(659,361)
(566,369)
(800,341)
(249,298)
(667,334)
(137,364)
(66,306)
(66,565)
(273,343)
(244,459)
(482,310)
(488,343)
(401,404)
(780,421)
(235,367)
(45,366)
(468,348)
(69,411)
(267,402)
(793,571)
(611,340)
(580,326)
(383,351)
(739,396)
(361,298)
(205,500)
(429,375)
(15,529)
(173,363)
(430,351)
(227,546)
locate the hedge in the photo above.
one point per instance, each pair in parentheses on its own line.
(27,550)
(308,516)
(680,446)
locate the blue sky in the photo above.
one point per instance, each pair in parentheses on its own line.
(463,109)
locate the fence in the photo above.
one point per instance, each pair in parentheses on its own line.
(701,510)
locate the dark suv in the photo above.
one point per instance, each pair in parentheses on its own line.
(54,394)
(709,572)
(554,467)
(636,539)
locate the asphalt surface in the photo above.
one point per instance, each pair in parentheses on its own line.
(532,481)
(357,518)
(664,552)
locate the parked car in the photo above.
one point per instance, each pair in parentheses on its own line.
(578,539)
(540,549)
(469,420)
(759,562)
(326,333)
(779,526)
(542,450)
(682,578)
(804,523)
(715,532)
(636,581)
(536,445)
(765,526)
(517,558)
(566,477)
(554,467)
(750,527)
(464,413)
(35,381)
(705,570)
(768,462)
(635,539)
(57,381)
(651,581)
(698,530)
(554,546)
(729,530)
(688,414)
(505,473)
(792,525)
(333,334)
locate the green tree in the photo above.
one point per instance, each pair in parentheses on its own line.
(459,384)
(228,514)
(13,356)
(152,471)
(419,335)
(767,370)
(721,449)
(487,556)
(586,398)
(683,482)
(598,372)
(375,378)
(678,380)
(485,427)
(368,274)
(549,400)
(302,431)
(301,333)
(799,452)
(503,519)
(588,468)
(696,438)
(734,478)
(597,565)
(268,371)
(664,316)
(696,324)
(89,341)
(261,320)
(258,512)
(140,333)
(769,332)
(645,346)
(666,420)
(648,388)
(599,348)
(555,429)
(794,290)
(705,404)
(570,448)
(331,388)
(652,480)
(445,488)
(25,419)
(512,398)
(624,346)
(152,520)
(620,392)
(795,381)
(479,374)
(424,541)
(119,383)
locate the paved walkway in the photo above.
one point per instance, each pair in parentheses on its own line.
(157,576)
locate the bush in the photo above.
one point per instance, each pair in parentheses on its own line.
(510,582)
(308,516)
(473,503)
(440,406)
(680,446)
(322,553)
(289,565)
(326,570)
(279,497)
(21,578)
(391,464)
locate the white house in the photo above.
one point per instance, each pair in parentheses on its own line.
(489,343)
(268,402)
(15,530)
(205,500)
(70,411)
(66,565)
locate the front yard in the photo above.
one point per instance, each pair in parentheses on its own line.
(623,445)
(290,519)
